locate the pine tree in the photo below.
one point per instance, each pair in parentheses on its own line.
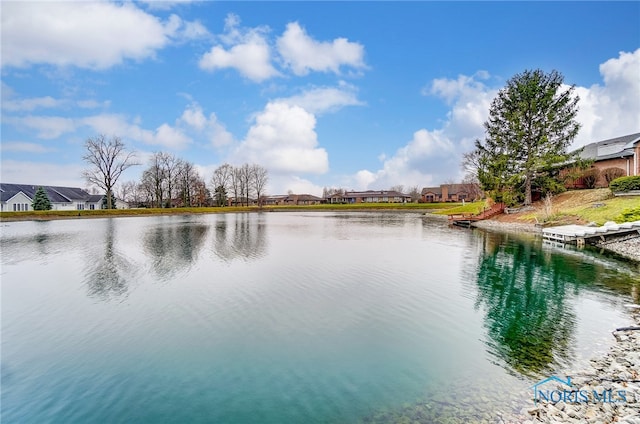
(531,125)
(41,201)
(105,204)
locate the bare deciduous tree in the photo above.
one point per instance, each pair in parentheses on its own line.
(259,177)
(245,175)
(221,182)
(108,160)
(415,194)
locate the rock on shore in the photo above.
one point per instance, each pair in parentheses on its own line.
(616,372)
(627,246)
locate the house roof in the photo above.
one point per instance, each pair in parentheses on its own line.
(369,193)
(303,197)
(94,198)
(434,190)
(55,194)
(611,148)
(456,188)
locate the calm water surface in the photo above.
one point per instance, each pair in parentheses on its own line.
(290,318)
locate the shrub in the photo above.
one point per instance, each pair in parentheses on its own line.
(612,173)
(590,177)
(625,184)
(629,215)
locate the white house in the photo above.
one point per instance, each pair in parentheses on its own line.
(19,197)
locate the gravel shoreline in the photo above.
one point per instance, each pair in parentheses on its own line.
(616,374)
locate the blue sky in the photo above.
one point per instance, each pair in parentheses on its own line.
(359,95)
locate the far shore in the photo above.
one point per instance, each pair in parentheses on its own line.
(626,247)
(419,208)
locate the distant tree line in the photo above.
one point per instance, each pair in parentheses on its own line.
(170,181)
(243,182)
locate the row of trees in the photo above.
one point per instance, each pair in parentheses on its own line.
(173,182)
(244,182)
(168,181)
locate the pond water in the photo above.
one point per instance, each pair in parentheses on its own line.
(291,318)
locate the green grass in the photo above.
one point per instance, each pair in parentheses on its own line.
(611,210)
(228,209)
(361,206)
(121,212)
(472,208)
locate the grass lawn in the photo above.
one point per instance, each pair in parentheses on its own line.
(609,212)
(451,208)
(228,209)
(595,205)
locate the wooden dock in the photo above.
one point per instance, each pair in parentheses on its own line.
(465,219)
(580,234)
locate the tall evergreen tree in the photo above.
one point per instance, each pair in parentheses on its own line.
(531,125)
(105,202)
(41,201)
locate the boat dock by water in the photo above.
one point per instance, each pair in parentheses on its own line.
(579,234)
(465,219)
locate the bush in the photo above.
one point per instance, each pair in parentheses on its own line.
(612,173)
(625,184)
(590,177)
(629,215)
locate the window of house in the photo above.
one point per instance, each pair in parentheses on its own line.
(80,206)
(92,206)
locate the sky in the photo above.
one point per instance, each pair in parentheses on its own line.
(357,95)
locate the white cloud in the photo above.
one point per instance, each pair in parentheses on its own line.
(611,109)
(26,147)
(95,35)
(607,110)
(281,184)
(165,135)
(211,127)
(170,137)
(303,54)
(40,173)
(30,104)
(325,99)
(283,139)
(93,104)
(248,52)
(432,156)
(47,127)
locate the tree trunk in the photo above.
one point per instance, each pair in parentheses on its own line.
(527,190)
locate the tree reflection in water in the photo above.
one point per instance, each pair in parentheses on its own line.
(240,236)
(108,271)
(523,291)
(174,246)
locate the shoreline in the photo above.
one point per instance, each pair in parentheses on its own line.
(626,247)
(617,372)
(117,213)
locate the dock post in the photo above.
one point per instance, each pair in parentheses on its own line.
(580,241)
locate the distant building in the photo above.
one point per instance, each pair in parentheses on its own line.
(291,199)
(448,193)
(370,196)
(19,197)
